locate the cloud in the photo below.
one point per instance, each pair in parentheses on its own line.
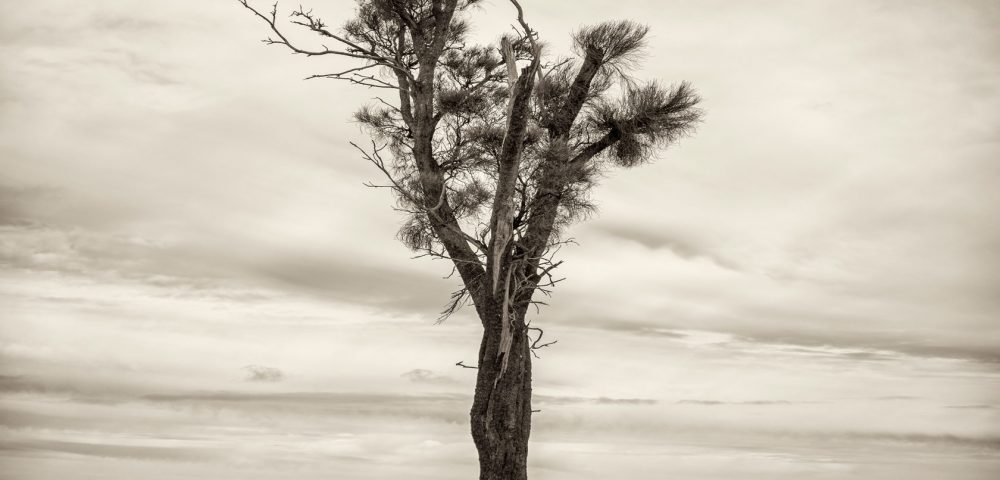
(127,24)
(984,442)
(120,451)
(744,402)
(21,384)
(845,345)
(420,375)
(257,373)
(346,279)
(441,407)
(19,203)
(201,269)
(866,348)
(685,246)
(973,407)
(569,400)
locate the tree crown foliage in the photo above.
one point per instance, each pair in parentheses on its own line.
(480,142)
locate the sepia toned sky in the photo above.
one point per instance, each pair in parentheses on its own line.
(194,283)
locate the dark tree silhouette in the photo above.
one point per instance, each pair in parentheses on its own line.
(491,151)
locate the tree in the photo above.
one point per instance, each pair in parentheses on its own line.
(491,151)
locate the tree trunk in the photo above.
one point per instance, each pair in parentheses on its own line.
(501,408)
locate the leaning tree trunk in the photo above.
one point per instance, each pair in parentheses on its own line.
(501,408)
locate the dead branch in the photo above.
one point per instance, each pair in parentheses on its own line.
(460,364)
(314,24)
(535,345)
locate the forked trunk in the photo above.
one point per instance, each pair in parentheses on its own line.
(501,408)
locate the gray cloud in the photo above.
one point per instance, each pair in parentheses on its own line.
(129,24)
(845,345)
(355,281)
(19,202)
(199,270)
(122,451)
(258,373)
(303,398)
(564,400)
(973,407)
(684,246)
(20,383)
(744,402)
(984,442)
(877,349)
(421,375)
(442,407)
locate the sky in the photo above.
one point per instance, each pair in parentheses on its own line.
(194,282)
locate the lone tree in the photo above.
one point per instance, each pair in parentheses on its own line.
(491,151)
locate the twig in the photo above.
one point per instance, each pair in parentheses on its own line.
(535,345)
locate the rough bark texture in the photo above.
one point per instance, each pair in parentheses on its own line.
(501,408)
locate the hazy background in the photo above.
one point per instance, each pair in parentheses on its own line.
(195,283)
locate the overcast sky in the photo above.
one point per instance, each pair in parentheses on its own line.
(196,284)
